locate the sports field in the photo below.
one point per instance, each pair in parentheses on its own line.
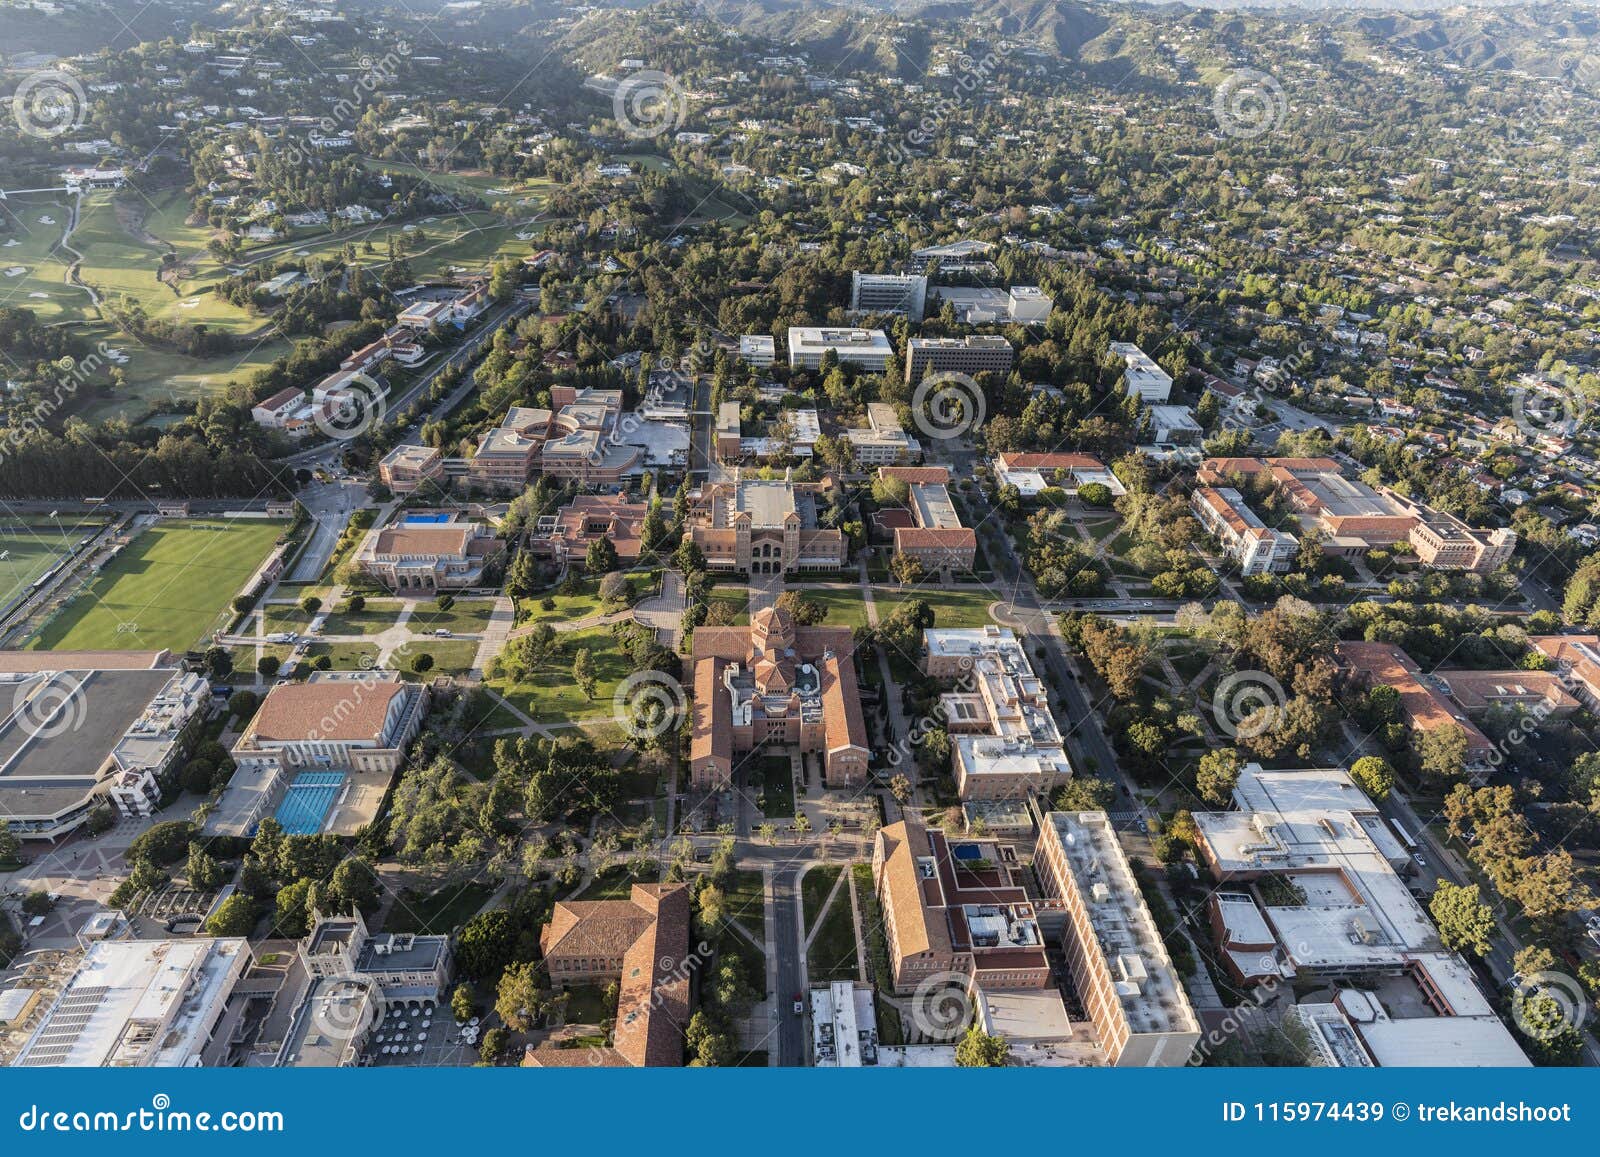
(167,589)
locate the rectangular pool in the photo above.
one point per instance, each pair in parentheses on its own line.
(305,805)
(425,519)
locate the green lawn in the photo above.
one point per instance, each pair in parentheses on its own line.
(450,656)
(437,912)
(551,695)
(465,617)
(33,274)
(814,888)
(833,954)
(579,605)
(950,608)
(343,656)
(774,779)
(737,599)
(746,902)
(26,552)
(846,608)
(376,617)
(587,1004)
(169,588)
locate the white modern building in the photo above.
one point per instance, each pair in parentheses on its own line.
(140,1004)
(757,349)
(1141,377)
(868,348)
(1250,543)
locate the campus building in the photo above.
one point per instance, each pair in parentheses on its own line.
(1018,305)
(1310,885)
(1142,378)
(867,348)
(642,944)
(141,1004)
(506,454)
(1118,960)
(974,354)
(884,441)
(1357,517)
(765,527)
(955,909)
(430,556)
(406,468)
(888,293)
(1423,703)
(1031,473)
(775,683)
(1254,547)
(929,530)
(567,534)
(1003,737)
(86,728)
(758,349)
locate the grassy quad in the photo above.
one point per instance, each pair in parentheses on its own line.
(950,608)
(551,695)
(167,589)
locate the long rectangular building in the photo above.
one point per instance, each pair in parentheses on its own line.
(973,354)
(1119,962)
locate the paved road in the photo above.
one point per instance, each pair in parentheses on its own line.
(790,1045)
(330,505)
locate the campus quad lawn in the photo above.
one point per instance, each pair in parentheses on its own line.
(552,696)
(450,656)
(342,656)
(776,778)
(846,608)
(950,608)
(167,589)
(376,617)
(814,888)
(465,617)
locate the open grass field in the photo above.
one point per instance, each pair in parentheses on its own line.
(167,589)
(33,275)
(846,608)
(25,554)
(494,190)
(158,378)
(551,695)
(950,608)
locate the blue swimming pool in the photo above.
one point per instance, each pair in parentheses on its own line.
(426,518)
(305,805)
(966,851)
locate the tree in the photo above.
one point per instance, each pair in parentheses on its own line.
(905,568)
(1094,494)
(293,917)
(900,788)
(768,831)
(235,916)
(355,604)
(1084,793)
(353,884)
(421,663)
(614,587)
(1373,776)
(36,904)
(10,846)
(218,663)
(488,943)
(979,1050)
(310,604)
(1465,923)
(517,996)
(202,869)
(708,1041)
(463,1003)
(805,612)
(601,557)
(267,666)
(583,672)
(1218,774)
(712,907)
(241,604)
(1441,751)
(197,776)
(165,843)
(494,1044)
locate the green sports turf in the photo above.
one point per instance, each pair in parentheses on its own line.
(167,589)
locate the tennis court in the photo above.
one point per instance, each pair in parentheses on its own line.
(305,805)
